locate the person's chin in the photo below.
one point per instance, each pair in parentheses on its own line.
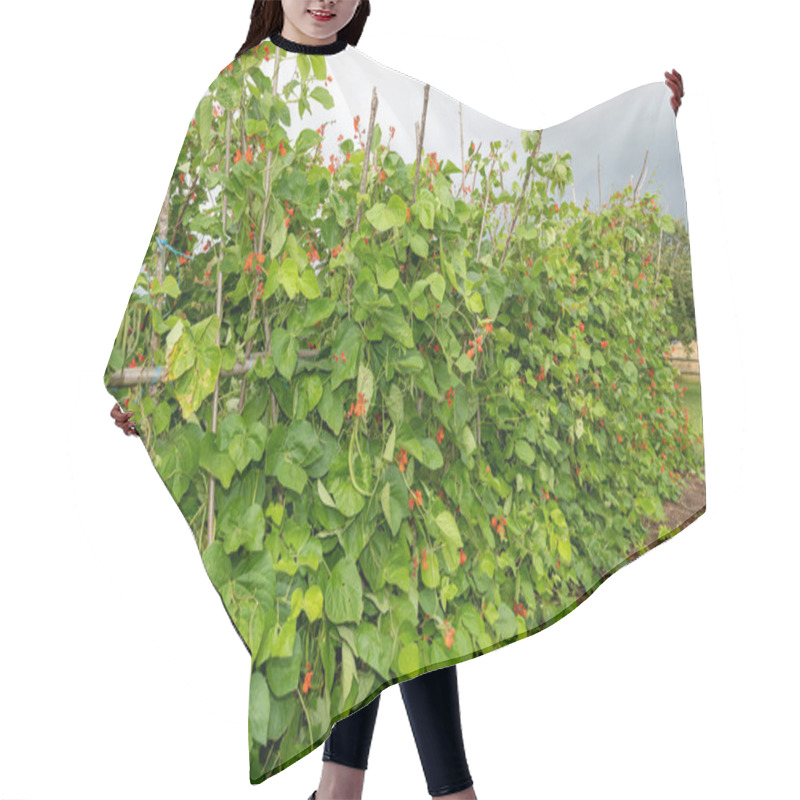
(318,39)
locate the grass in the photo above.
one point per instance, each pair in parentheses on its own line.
(691,397)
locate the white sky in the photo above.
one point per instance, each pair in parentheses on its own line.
(620,130)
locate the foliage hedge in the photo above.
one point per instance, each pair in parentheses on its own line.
(477,430)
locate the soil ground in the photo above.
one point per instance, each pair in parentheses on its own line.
(680,513)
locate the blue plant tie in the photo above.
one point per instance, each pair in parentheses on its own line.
(164,243)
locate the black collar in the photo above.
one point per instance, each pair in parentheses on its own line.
(310,49)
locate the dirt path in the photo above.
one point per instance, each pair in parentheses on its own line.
(679,514)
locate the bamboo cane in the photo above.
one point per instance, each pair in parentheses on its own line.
(420,129)
(477,167)
(420,140)
(373,109)
(215,406)
(636,188)
(161,257)
(599,187)
(485,206)
(261,235)
(521,199)
(133,376)
(461,135)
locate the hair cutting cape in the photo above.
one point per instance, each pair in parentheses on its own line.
(418,380)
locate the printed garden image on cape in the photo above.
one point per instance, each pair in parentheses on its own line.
(419,381)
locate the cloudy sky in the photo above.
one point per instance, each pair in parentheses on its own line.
(621,130)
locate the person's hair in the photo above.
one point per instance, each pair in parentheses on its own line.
(266,18)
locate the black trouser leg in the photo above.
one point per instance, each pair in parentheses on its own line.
(351,737)
(433,710)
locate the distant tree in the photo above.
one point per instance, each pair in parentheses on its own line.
(676,265)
